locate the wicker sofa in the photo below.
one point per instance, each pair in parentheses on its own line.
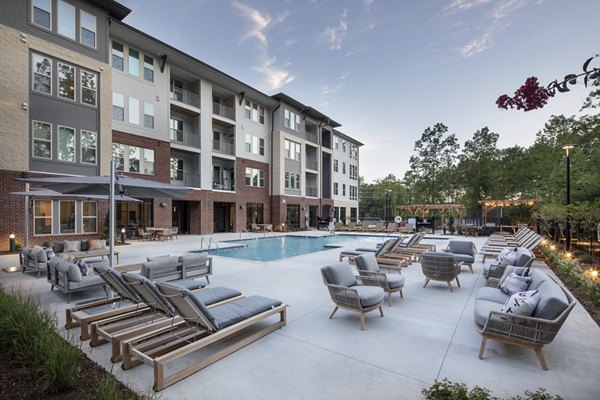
(555,304)
(33,259)
(187,266)
(523,257)
(66,277)
(81,249)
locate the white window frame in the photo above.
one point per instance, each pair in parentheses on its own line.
(61,16)
(82,87)
(33,7)
(95,134)
(149,112)
(60,231)
(33,73)
(335,165)
(293,150)
(58,72)
(133,111)
(143,155)
(89,217)
(151,69)
(58,142)
(291,120)
(335,188)
(82,27)
(113,55)
(33,122)
(36,217)
(255,177)
(129,63)
(118,96)
(248,143)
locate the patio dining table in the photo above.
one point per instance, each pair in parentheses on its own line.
(157,233)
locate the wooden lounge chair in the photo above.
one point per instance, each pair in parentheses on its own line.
(202,327)
(384,262)
(157,315)
(529,244)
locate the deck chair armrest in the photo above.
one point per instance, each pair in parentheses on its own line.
(344,295)
(370,278)
(492,282)
(496,271)
(520,328)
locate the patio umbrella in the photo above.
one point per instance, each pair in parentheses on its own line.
(109,185)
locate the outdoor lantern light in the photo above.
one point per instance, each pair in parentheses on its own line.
(123,235)
(567,148)
(11,238)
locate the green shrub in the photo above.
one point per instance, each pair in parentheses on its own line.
(30,330)
(447,390)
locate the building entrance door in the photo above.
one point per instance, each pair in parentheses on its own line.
(181,216)
(223,217)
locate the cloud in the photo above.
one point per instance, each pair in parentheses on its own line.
(333,89)
(335,35)
(368,4)
(289,42)
(498,21)
(463,5)
(275,77)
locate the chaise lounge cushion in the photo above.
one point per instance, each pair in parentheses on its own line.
(189,284)
(235,312)
(369,295)
(339,274)
(216,295)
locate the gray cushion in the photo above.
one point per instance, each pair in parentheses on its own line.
(162,269)
(189,284)
(83,245)
(385,247)
(339,274)
(465,258)
(491,294)
(72,270)
(232,313)
(148,292)
(39,253)
(116,283)
(86,281)
(72,245)
(553,301)
(369,295)
(58,247)
(460,247)
(537,278)
(482,310)
(194,260)
(521,271)
(524,256)
(216,295)
(367,262)
(395,280)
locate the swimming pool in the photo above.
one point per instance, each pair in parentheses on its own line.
(270,249)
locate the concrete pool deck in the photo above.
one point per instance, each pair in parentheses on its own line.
(429,334)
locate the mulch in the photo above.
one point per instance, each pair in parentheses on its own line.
(17,383)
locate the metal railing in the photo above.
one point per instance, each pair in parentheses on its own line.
(312,192)
(312,165)
(311,137)
(221,185)
(223,147)
(183,96)
(209,242)
(223,111)
(185,179)
(185,138)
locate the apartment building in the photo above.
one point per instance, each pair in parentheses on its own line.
(82,88)
(345,177)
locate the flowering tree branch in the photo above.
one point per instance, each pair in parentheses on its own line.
(531,96)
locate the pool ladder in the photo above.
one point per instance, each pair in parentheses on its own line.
(209,242)
(244,230)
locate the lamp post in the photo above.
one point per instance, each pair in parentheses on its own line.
(385,208)
(567,148)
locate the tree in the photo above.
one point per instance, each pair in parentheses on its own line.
(435,154)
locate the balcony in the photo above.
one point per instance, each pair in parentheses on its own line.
(223,147)
(312,192)
(310,164)
(223,111)
(312,137)
(179,178)
(224,185)
(185,138)
(185,97)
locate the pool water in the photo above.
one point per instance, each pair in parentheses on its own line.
(271,249)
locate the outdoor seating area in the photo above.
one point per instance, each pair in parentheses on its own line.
(177,339)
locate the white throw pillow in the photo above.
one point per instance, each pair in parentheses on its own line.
(157,258)
(515,283)
(522,303)
(507,256)
(72,245)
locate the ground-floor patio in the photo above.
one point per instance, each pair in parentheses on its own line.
(429,334)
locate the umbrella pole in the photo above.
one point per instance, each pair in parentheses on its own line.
(111,224)
(26,230)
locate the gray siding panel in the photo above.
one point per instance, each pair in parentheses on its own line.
(17,15)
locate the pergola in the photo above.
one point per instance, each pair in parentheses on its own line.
(489,205)
(423,209)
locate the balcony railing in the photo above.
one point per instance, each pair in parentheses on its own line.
(312,165)
(312,192)
(185,138)
(179,178)
(224,185)
(311,137)
(224,148)
(183,96)
(223,111)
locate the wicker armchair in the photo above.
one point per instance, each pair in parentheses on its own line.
(371,275)
(440,266)
(524,331)
(463,251)
(347,294)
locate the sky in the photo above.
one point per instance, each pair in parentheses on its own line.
(388,69)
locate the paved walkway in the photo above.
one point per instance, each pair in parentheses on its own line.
(427,335)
